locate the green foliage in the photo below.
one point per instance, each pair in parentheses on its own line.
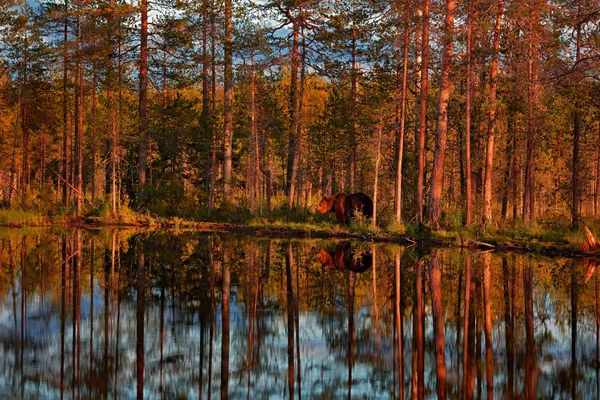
(16,216)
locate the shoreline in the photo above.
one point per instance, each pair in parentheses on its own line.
(273,230)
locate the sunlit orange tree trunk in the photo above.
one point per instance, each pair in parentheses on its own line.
(442,128)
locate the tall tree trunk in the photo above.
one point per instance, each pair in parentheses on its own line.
(489,159)
(468,94)
(533,53)
(205,63)
(597,191)
(377,160)
(299,119)
(228,85)
(423,110)
(253,138)
(353,99)
(24,99)
(212,110)
(65,138)
(79,112)
(400,135)
(293,107)
(93,144)
(437,177)
(143,99)
(575,193)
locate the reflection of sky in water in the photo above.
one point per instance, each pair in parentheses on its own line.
(323,341)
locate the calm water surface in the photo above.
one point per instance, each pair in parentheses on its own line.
(115,314)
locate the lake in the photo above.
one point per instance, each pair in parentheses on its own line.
(124,314)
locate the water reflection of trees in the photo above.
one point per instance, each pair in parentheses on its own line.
(113,314)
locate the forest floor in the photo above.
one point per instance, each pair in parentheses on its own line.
(551,239)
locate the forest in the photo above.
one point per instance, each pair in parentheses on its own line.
(445,112)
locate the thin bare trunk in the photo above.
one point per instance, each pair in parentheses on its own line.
(401,131)
(597,191)
(254,140)
(212,110)
(468,94)
(65,138)
(377,161)
(437,178)
(79,113)
(489,160)
(575,193)
(423,111)
(293,111)
(532,77)
(143,96)
(228,112)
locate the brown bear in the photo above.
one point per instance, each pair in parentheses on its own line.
(345,205)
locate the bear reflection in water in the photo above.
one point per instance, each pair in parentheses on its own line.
(345,257)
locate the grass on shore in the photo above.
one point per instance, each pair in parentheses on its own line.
(546,234)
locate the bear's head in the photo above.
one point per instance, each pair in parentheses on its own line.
(326,204)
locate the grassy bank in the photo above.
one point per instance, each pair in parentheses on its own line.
(544,237)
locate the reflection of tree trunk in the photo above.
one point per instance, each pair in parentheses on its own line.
(92,248)
(487,277)
(574,301)
(530,362)
(211,315)
(508,332)
(398,312)
(289,260)
(140,314)
(418,322)
(106,314)
(297,326)
(251,318)
(597,315)
(118,333)
(351,332)
(478,331)
(161,333)
(437,309)
(375,305)
(226,278)
(467,336)
(63,316)
(74,325)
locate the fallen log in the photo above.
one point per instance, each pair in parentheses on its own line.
(491,246)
